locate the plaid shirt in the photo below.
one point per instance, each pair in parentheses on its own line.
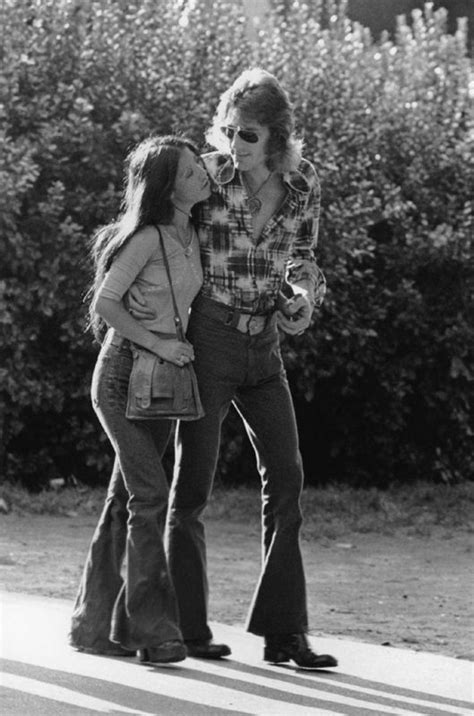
(245,273)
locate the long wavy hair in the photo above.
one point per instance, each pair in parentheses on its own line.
(150,174)
(258,95)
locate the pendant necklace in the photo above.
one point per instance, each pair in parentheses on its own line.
(253,202)
(187,240)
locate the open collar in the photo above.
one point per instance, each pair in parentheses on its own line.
(223,171)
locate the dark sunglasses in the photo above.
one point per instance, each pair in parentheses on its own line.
(244,134)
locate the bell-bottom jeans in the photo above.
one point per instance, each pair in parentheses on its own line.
(233,367)
(126,594)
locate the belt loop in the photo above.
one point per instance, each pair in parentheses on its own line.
(233,318)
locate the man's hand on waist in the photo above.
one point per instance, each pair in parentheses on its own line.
(137,305)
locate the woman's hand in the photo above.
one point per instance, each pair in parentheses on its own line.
(137,306)
(173,351)
(116,315)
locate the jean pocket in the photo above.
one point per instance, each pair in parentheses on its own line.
(110,379)
(269,359)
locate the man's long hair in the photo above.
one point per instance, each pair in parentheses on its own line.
(258,95)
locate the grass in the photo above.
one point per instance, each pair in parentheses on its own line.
(333,511)
(330,512)
(69,501)
(417,509)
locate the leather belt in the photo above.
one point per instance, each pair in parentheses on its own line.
(250,323)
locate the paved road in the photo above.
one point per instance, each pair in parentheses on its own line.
(41,676)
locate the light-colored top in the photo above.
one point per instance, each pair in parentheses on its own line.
(141,262)
(248,273)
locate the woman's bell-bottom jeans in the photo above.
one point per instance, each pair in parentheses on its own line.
(233,367)
(130,601)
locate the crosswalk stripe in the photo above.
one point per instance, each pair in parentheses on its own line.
(63,695)
(362,699)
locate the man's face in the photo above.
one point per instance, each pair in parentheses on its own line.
(247,141)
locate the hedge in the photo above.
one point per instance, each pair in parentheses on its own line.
(383,380)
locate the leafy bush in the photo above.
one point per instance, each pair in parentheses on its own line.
(383,381)
(389,364)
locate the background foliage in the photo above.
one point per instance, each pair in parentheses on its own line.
(383,382)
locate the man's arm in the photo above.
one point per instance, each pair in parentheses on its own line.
(305,280)
(137,305)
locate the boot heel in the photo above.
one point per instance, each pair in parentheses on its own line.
(143,655)
(167,653)
(274,656)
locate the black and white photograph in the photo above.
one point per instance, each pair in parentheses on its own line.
(236,357)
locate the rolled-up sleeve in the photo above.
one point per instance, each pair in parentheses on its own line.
(302,265)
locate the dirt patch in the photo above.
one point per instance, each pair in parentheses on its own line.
(399,590)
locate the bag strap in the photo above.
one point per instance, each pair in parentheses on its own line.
(177,318)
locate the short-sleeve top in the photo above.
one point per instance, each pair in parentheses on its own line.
(141,263)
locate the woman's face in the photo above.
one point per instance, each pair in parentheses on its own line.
(192,181)
(247,141)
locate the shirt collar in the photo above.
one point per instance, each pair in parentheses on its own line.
(224,172)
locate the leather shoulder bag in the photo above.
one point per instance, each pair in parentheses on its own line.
(159,388)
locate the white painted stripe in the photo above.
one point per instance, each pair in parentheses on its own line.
(214,695)
(204,694)
(65,696)
(451,710)
(229,697)
(334,698)
(220,696)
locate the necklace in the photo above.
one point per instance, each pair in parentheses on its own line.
(253,202)
(186,213)
(185,239)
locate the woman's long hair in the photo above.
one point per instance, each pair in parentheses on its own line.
(151,169)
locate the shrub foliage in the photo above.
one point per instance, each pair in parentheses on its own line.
(383,380)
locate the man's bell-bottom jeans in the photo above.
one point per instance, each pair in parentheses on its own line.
(233,367)
(139,610)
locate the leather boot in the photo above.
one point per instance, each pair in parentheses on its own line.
(280,648)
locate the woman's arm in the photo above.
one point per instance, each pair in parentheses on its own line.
(110,306)
(115,315)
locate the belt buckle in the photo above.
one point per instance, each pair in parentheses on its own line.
(254,325)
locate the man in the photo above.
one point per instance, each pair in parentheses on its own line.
(257,233)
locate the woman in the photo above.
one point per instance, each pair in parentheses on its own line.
(258,233)
(116,616)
